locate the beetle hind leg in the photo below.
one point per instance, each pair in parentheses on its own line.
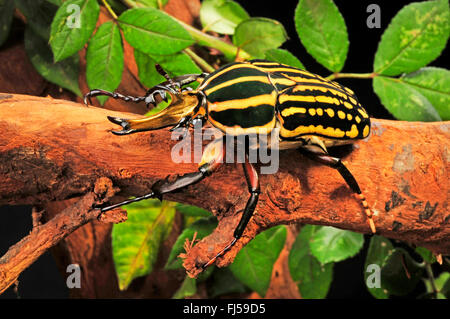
(336,163)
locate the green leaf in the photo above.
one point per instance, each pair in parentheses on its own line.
(190,210)
(394,276)
(39,15)
(72,26)
(223,282)
(426,255)
(64,73)
(153,3)
(434,84)
(379,250)
(174,64)
(403,101)
(153,32)
(323,32)
(285,57)
(187,289)
(222,16)
(312,278)
(415,37)
(104,59)
(331,244)
(6,15)
(443,284)
(136,242)
(203,227)
(254,263)
(257,35)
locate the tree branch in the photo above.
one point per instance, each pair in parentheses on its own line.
(54,149)
(43,237)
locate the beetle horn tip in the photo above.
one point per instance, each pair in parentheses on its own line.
(123,132)
(123,123)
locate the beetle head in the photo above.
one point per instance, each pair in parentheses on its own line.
(185,105)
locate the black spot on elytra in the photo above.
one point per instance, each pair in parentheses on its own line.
(428,211)
(396,200)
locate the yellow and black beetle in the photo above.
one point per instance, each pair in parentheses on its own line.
(251,97)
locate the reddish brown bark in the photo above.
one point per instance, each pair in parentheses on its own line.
(54,149)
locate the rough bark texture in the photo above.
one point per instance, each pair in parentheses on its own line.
(52,150)
(45,236)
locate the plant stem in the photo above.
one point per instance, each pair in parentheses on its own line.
(230,51)
(132,4)
(110,10)
(201,62)
(351,75)
(431,277)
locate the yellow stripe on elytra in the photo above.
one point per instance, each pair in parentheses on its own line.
(309,98)
(328,99)
(293,110)
(319,88)
(260,63)
(238,130)
(258,78)
(284,69)
(232,67)
(282,81)
(312,81)
(296,98)
(269,99)
(312,129)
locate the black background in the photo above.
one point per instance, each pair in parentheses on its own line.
(42,279)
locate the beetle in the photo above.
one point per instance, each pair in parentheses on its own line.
(256,96)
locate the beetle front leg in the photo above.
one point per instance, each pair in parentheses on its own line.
(211,160)
(252,179)
(114,95)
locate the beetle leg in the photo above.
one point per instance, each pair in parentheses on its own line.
(252,179)
(336,163)
(114,95)
(211,160)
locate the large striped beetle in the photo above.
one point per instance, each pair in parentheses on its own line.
(251,97)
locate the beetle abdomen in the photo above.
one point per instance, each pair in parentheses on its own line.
(320,110)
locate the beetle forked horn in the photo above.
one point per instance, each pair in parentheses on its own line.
(122,122)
